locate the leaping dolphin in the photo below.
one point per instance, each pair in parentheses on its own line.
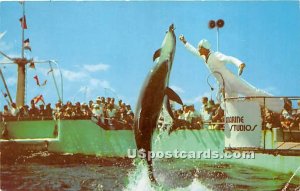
(154,93)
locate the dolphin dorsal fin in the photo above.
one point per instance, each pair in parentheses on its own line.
(173,95)
(156,54)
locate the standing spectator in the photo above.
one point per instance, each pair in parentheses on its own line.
(204,102)
(235,85)
(14,110)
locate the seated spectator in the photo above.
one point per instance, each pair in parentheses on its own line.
(98,113)
(86,111)
(111,114)
(218,116)
(33,112)
(48,111)
(272,119)
(25,111)
(108,100)
(91,104)
(112,102)
(58,110)
(204,102)
(6,111)
(196,121)
(120,104)
(42,111)
(77,111)
(68,114)
(287,119)
(297,115)
(211,104)
(130,120)
(98,101)
(128,109)
(207,115)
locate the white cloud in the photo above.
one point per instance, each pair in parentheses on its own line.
(197,99)
(96,67)
(6,60)
(177,89)
(73,76)
(96,83)
(272,90)
(4,46)
(11,81)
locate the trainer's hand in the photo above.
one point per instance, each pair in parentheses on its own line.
(241,68)
(182,39)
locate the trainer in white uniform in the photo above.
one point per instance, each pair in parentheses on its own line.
(234,85)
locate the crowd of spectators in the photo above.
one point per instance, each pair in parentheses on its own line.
(210,116)
(107,113)
(104,111)
(288,119)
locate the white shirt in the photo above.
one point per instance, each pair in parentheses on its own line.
(234,85)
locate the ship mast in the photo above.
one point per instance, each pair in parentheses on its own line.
(20,96)
(22,62)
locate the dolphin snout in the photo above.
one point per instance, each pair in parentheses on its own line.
(171,28)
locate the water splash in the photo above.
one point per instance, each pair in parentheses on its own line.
(139,180)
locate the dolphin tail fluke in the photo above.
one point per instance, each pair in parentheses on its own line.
(168,107)
(173,95)
(156,54)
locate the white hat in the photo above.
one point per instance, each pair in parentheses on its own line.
(204,43)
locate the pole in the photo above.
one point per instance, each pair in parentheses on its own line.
(3,79)
(20,97)
(23,5)
(61,80)
(59,98)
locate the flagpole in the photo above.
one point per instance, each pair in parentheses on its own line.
(23,21)
(54,81)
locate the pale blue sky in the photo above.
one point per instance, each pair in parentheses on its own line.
(110,44)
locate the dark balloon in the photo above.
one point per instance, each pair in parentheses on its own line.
(211,24)
(220,23)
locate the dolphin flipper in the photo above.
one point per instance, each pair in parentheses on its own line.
(156,54)
(173,95)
